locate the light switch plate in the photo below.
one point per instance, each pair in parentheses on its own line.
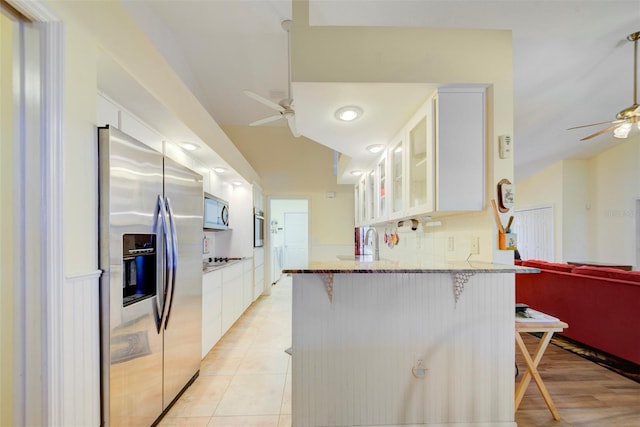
(504,146)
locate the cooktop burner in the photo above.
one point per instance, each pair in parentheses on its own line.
(224,259)
(217,261)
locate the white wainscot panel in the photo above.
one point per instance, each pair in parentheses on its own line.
(354,354)
(81,347)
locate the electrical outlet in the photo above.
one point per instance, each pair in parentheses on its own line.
(451,247)
(475,245)
(419,370)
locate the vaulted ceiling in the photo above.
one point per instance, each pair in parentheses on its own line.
(572,64)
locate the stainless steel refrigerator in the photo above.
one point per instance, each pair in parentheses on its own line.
(150,234)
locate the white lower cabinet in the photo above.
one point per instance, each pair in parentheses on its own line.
(258,281)
(226,294)
(247,283)
(211,310)
(258,272)
(232,284)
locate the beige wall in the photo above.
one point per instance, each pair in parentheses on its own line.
(302,168)
(594,204)
(575,210)
(332,219)
(615,187)
(6,222)
(331,226)
(544,189)
(80,152)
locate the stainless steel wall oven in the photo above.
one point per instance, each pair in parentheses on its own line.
(258,228)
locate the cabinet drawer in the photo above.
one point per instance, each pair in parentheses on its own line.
(232,272)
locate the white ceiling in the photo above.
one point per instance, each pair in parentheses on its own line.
(572,65)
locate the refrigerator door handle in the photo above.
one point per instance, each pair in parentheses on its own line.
(161,306)
(174,263)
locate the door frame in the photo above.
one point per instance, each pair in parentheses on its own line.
(39,274)
(268,236)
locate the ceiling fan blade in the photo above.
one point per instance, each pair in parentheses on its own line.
(600,132)
(291,120)
(266,120)
(264,101)
(596,124)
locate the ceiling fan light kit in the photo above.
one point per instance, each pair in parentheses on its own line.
(628,116)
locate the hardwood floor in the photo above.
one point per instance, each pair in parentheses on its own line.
(585,393)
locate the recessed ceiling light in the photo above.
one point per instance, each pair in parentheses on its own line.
(189,146)
(349,113)
(356,173)
(236,183)
(220,169)
(375,148)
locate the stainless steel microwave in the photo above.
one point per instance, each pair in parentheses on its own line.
(216,213)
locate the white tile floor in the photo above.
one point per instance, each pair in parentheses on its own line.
(245,380)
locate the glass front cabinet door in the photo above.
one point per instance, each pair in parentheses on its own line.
(356,204)
(381,182)
(396,183)
(362,206)
(420,162)
(371,196)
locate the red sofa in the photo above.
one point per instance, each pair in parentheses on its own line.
(601,305)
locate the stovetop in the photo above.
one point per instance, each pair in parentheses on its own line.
(210,263)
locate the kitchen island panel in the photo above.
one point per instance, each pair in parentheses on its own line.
(354,354)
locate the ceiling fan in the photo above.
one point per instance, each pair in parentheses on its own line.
(285,106)
(630,115)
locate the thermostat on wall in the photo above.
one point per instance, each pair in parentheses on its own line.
(504,146)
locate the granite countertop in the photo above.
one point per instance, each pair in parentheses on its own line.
(365,264)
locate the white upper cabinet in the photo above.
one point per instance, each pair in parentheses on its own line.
(435,165)
(381,189)
(356,204)
(395,181)
(420,175)
(460,133)
(370,195)
(361,205)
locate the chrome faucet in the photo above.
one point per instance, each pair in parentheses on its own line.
(375,243)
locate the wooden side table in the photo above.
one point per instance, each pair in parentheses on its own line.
(532,363)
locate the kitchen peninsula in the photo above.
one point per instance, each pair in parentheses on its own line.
(384,343)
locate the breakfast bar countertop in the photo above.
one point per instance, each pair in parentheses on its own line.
(365,264)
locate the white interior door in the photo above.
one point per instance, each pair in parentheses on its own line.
(296,240)
(534,229)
